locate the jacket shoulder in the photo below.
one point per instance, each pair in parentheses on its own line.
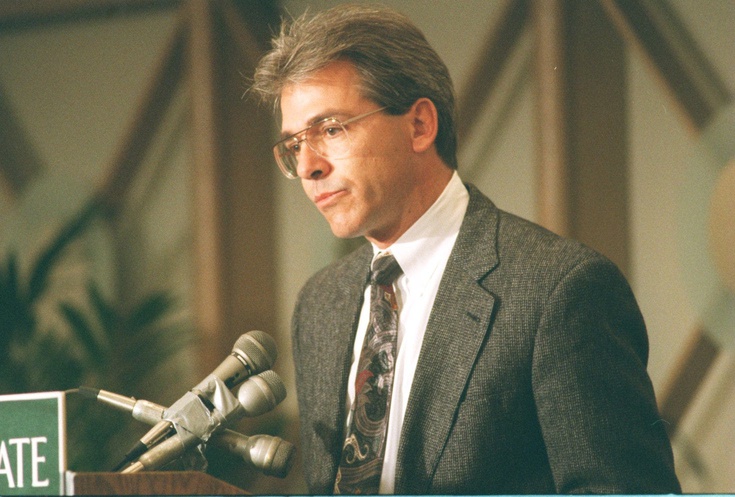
(515,242)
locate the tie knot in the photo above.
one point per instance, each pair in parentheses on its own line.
(385,270)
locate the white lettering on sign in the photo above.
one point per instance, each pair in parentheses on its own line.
(6,467)
(36,460)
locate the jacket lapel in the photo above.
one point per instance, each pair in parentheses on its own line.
(337,348)
(457,328)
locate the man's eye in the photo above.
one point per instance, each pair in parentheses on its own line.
(294,148)
(330,129)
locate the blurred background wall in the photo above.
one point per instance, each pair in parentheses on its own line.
(144,225)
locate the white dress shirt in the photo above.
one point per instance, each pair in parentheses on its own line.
(422,252)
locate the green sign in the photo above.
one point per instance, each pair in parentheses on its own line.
(32,444)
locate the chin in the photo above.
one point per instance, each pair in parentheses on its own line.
(344,234)
(342,231)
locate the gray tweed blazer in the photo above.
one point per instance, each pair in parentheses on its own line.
(531,379)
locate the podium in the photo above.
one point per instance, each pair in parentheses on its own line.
(148,483)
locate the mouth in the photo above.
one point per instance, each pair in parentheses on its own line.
(325,198)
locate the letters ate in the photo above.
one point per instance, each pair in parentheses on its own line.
(18,480)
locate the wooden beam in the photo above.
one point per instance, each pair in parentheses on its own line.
(209,308)
(489,66)
(19,162)
(234,201)
(582,148)
(263,18)
(245,40)
(689,374)
(655,32)
(24,14)
(658,36)
(148,118)
(250,24)
(553,182)
(597,97)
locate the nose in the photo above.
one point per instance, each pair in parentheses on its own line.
(312,165)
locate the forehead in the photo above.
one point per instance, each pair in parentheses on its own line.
(332,90)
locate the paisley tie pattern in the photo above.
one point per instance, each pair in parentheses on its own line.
(362,454)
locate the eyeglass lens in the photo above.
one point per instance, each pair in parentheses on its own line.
(328,138)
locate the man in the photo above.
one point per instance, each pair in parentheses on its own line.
(521,356)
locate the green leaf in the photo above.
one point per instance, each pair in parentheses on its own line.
(84,333)
(150,309)
(153,347)
(16,316)
(109,318)
(53,364)
(71,231)
(9,283)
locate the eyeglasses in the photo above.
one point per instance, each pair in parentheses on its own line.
(327,137)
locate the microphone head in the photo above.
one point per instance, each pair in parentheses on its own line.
(261,393)
(273,455)
(275,385)
(257,349)
(282,460)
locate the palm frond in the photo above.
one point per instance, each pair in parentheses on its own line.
(105,311)
(83,330)
(101,343)
(17,320)
(48,258)
(149,310)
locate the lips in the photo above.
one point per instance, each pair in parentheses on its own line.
(324,198)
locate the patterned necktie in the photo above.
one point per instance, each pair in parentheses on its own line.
(362,454)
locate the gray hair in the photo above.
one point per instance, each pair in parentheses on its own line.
(396,64)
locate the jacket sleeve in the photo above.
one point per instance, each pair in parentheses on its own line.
(594,399)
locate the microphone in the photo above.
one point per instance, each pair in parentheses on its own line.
(253,352)
(258,395)
(142,410)
(261,393)
(271,455)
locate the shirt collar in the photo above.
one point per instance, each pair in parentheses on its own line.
(428,242)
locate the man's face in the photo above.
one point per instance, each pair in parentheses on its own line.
(370,191)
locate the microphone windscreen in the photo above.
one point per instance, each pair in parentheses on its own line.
(261,393)
(275,384)
(258,349)
(282,460)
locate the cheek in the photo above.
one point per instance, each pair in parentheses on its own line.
(308,189)
(383,193)
(374,179)
(381,143)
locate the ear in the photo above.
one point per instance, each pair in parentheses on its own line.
(424,124)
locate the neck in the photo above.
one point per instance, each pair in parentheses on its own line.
(425,192)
